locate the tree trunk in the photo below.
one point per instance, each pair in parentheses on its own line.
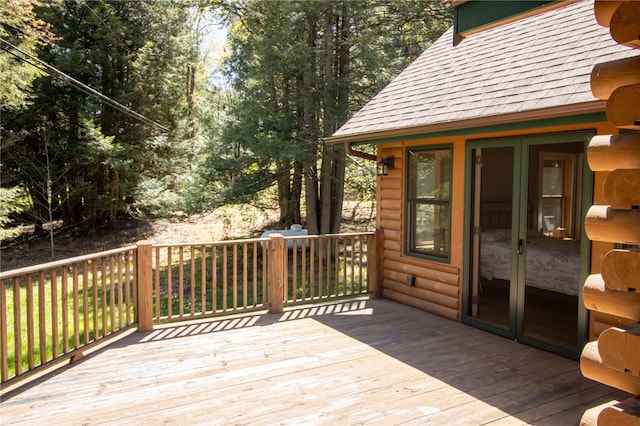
(333,159)
(312,197)
(326,193)
(310,119)
(284,192)
(343,65)
(296,192)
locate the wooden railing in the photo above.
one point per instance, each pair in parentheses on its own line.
(52,311)
(56,310)
(204,279)
(327,266)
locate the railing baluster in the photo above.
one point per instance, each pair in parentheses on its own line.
(119,286)
(265,271)
(96,300)
(203,280)
(340,289)
(361,257)
(348,284)
(181,281)
(42,336)
(235,277)
(224,278)
(214,279)
(329,259)
(117,283)
(103,286)
(112,294)
(4,334)
(53,277)
(17,324)
(76,307)
(312,272)
(64,305)
(156,285)
(320,266)
(127,286)
(193,282)
(303,269)
(294,267)
(245,280)
(30,326)
(85,300)
(169,284)
(255,274)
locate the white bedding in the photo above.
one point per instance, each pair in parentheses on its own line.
(551,263)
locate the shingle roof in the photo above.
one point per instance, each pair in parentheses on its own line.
(536,63)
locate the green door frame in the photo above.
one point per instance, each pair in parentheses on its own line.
(520,145)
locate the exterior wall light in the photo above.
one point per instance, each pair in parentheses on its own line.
(382,167)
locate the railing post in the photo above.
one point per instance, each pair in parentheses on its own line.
(375,256)
(277,273)
(144,273)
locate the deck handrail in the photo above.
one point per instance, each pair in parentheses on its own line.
(56,310)
(57,263)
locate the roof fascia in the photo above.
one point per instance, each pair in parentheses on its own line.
(570,114)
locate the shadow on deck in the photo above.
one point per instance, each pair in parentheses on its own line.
(354,362)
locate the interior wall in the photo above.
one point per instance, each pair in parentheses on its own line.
(495,189)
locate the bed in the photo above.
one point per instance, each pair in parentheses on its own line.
(551,263)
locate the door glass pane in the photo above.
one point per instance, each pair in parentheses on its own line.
(551,253)
(491,237)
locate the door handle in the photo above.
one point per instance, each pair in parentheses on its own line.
(520,246)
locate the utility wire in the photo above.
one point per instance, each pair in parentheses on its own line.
(100,19)
(43,66)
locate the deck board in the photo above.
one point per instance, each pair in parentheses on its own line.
(354,362)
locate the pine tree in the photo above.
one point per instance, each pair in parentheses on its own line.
(299,70)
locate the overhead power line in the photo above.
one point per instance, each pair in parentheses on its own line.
(43,66)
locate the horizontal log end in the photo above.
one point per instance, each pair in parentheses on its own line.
(620,270)
(592,367)
(620,348)
(596,297)
(625,413)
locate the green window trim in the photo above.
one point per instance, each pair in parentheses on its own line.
(429,176)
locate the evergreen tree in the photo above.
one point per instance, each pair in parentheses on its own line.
(137,53)
(19,27)
(299,70)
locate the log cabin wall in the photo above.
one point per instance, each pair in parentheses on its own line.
(613,357)
(600,321)
(438,285)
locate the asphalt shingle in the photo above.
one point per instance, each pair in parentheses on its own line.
(535,63)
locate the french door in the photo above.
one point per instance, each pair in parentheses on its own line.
(526,253)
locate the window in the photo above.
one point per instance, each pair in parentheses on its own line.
(428,203)
(558,179)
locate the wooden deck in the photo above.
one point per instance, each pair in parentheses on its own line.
(356,362)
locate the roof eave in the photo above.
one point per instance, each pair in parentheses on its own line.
(521,116)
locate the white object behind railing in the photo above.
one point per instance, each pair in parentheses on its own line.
(294,231)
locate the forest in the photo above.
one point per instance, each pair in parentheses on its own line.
(113,108)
